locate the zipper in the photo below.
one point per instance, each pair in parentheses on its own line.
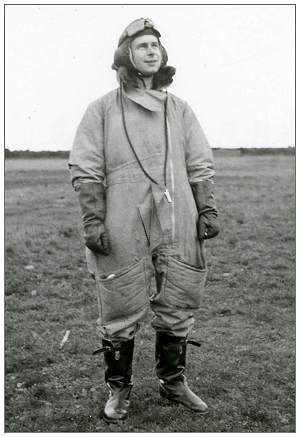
(172,184)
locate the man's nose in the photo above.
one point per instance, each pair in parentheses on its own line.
(150,50)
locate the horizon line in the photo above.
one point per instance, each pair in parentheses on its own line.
(212,147)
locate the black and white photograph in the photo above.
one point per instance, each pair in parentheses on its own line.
(149,218)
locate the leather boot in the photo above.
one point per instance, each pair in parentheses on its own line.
(118,377)
(170,354)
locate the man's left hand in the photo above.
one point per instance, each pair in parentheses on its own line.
(208,226)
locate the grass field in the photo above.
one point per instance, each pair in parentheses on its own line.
(245,368)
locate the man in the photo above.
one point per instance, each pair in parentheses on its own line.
(144,171)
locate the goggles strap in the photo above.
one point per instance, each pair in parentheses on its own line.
(131,58)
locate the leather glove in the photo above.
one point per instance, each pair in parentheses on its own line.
(96,239)
(92,202)
(208,226)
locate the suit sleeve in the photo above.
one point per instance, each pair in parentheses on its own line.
(198,154)
(86,161)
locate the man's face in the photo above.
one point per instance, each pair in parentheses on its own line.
(146,54)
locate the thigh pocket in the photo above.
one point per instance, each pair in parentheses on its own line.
(184,284)
(123,293)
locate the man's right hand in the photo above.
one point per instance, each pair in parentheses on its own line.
(96,239)
(92,201)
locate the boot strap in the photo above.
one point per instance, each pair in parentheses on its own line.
(103,349)
(111,348)
(194,343)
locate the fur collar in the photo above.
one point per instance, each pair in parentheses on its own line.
(162,79)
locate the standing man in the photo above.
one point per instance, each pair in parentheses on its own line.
(144,171)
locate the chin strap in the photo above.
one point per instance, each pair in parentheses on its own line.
(131,58)
(138,73)
(141,77)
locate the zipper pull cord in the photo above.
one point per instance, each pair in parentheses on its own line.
(128,138)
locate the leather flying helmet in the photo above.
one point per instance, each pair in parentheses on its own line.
(122,59)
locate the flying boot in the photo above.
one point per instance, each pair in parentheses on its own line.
(118,377)
(170,354)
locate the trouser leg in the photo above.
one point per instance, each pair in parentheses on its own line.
(177,296)
(123,303)
(172,305)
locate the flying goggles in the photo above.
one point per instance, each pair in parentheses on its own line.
(136,27)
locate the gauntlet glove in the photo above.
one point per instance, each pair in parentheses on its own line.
(92,203)
(208,226)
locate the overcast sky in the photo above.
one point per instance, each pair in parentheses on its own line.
(235,67)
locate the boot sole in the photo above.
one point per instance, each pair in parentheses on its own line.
(173,401)
(111,420)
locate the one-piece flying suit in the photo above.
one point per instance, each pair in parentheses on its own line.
(155,255)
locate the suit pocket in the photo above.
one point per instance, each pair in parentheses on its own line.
(184,284)
(123,293)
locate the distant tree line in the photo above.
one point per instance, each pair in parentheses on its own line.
(246,151)
(42,154)
(267,151)
(218,151)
